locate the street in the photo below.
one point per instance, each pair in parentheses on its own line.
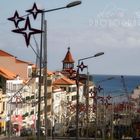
(49,138)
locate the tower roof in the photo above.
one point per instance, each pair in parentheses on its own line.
(68,58)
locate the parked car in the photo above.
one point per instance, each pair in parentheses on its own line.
(26,132)
(71,131)
(42,131)
(59,129)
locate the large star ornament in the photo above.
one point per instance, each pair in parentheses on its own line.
(16,19)
(27,31)
(34,11)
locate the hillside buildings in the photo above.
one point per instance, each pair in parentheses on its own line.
(19,89)
(19,94)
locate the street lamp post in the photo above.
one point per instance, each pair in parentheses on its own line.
(72,4)
(94,94)
(104,102)
(27,31)
(82,66)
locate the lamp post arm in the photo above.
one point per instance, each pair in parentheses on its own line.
(45,11)
(55,9)
(72,4)
(96,55)
(85,58)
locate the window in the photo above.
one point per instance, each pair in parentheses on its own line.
(27,97)
(64,88)
(32,112)
(32,97)
(72,89)
(68,98)
(49,82)
(73,97)
(14,87)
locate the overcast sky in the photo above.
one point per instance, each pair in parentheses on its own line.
(109,26)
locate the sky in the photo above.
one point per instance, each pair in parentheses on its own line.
(109,26)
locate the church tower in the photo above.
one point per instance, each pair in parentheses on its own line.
(68,62)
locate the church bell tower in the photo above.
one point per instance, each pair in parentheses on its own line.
(68,61)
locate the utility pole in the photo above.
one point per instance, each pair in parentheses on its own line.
(45,78)
(40,79)
(10,127)
(77,106)
(127,107)
(87,102)
(112,120)
(104,117)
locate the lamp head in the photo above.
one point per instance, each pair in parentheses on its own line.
(98,54)
(72,4)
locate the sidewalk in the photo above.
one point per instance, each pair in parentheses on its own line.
(12,138)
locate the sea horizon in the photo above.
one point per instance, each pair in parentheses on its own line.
(116,84)
(117,74)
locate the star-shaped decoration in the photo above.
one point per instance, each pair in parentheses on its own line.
(34,11)
(82,66)
(27,31)
(99,88)
(16,19)
(92,92)
(108,97)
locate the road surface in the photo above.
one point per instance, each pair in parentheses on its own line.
(49,138)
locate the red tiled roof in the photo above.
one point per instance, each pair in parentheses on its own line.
(49,72)
(68,58)
(64,81)
(21,61)
(7,74)
(3,53)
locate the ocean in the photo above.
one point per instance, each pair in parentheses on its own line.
(116,84)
